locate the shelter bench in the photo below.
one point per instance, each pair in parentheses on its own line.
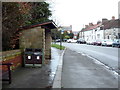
(6,74)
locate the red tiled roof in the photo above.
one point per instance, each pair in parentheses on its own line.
(91,27)
(107,25)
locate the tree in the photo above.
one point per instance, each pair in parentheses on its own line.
(18,14)
(55,34)
(66,37)
(39,13)
(11,20)
(71,35)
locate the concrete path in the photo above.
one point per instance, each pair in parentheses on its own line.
(36,77)
(80,71)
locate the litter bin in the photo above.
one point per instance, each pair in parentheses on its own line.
(33,56)
(38,56)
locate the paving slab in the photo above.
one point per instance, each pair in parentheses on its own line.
(80,71)
(29,77)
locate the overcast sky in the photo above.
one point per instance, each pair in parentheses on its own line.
(81,12)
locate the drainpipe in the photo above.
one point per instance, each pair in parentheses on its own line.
(103,31)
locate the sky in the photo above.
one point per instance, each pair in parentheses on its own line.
(79,13)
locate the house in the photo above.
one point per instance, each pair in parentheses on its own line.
(111,28)
(91,32)
(107,29)
(67,29)
(119,10)
(75,34)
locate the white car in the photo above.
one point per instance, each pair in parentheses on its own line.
(109,42)
(104,43)
(88,42)
(71,41)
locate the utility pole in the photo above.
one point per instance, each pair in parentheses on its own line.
(60,29)
(60,40)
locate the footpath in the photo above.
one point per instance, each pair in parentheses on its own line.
(80,71)
(28,77)
(66,69)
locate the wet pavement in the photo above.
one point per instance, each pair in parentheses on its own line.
(36,77)
(80,71)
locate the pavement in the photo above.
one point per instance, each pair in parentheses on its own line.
(37,77)
(80,71)
(66,69)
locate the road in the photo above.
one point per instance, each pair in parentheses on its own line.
(107,55)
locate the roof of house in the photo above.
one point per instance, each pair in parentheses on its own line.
(106,25)
(111,24)
(91,27)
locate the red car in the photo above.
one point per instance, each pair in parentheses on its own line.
(98,42)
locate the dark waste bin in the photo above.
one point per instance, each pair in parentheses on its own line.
(38,56)
(33,56)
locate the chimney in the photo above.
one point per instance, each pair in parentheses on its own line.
(86,26)
(104,20)
(98,22)
(113,17)
(90,24)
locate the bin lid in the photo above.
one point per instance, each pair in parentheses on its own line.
(29,49)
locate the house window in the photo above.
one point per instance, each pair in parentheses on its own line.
(118,35)
(101,28)
(98,35)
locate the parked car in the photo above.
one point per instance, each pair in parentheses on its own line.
(104,43)
(57,40)
(88,42)
(81,41)
(71,41)
(65,40)
(98,42)
(109,42)
(116,43)
(93,42)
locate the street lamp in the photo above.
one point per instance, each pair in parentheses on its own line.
(61,32)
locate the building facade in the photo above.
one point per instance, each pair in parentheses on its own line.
(107,29)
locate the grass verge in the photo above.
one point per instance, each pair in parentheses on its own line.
(57,46)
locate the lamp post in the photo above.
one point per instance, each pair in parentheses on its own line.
(60,40)
(61,32)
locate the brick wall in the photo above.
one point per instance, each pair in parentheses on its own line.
(12,56)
